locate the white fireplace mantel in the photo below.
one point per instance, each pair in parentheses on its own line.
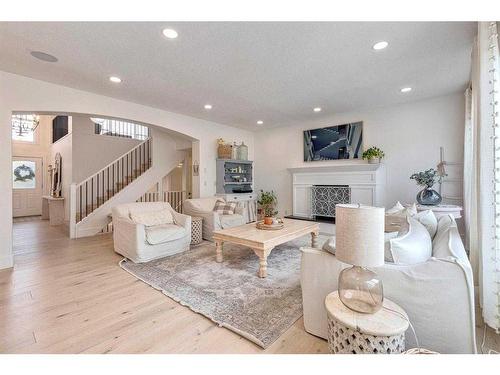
(366,181)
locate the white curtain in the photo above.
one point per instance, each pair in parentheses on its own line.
(471,193)
(482,171)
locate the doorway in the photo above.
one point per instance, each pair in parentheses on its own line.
(27,185)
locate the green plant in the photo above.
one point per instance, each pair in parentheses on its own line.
(372,153)
(427,178)
(268,202)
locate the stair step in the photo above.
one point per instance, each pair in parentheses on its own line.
(121,185)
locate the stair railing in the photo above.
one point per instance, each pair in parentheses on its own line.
(96,190)
(175,198)
(118,128)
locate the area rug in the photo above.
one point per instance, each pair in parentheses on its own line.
(230,293)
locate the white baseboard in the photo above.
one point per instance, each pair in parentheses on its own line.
(6,262)
(87,232)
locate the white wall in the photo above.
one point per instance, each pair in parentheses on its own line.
(410,135)
(39,149)
(64,146)
(18,93)
(92,152)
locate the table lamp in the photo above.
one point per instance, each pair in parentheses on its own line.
(360,242)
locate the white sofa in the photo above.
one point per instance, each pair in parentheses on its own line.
(142,244)
(438,295)
(203,207)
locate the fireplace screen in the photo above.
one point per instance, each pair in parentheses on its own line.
(325,197)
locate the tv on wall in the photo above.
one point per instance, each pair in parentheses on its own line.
(334,142)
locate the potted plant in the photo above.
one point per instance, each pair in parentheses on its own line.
(268,202)
(373,155)
(428,196)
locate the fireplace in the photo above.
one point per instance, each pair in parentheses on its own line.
(351,182)
(324,198)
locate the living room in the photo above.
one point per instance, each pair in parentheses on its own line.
(311,187)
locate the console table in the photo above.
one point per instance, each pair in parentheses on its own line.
(53,209)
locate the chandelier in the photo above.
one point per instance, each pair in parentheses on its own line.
(23,124)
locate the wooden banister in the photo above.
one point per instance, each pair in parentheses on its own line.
(96,190)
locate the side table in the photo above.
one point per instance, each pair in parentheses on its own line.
(196,230)
(350,332)
(442,209)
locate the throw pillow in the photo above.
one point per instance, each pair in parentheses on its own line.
(401,211)
(414,246)
(412,210)
(429,221)
(397,208)
(150,218)
(225,208)
(329,245)
(387,246)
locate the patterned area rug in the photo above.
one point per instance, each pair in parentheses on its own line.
(230,293)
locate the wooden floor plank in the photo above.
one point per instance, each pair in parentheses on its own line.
(70,296)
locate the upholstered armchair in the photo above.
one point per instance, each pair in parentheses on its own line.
(141,243)
(204,208)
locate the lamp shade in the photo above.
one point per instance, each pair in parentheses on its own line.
(359,235)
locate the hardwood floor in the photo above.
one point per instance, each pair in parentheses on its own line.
(70,296)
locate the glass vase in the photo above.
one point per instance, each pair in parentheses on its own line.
(429,197)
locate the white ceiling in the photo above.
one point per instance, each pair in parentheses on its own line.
(275,72)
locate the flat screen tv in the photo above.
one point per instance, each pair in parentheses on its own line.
(334,142)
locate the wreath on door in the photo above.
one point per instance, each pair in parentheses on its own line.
(23,173)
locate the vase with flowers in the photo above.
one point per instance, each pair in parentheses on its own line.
(428,196)
(268,202)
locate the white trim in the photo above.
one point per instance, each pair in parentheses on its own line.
(6,262)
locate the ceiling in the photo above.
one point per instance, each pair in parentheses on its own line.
(248,71)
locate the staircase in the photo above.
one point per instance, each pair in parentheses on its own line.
(124,180)
(103,185)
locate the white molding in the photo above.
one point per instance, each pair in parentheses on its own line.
(6,262)
(367,183)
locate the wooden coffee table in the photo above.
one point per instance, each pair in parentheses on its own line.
(262,242)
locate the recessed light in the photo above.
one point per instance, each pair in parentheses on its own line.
(208,106)
(380,45)
(317,109)
(260,122)
(170,33)
(43,56)
(115,79)
(406,89)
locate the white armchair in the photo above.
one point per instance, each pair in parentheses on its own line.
(203,207)
(438,295)
(142,244)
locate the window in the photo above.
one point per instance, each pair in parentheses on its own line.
(120,128)
(23,127)
(23,174)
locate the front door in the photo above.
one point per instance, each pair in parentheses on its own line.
(27,186)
